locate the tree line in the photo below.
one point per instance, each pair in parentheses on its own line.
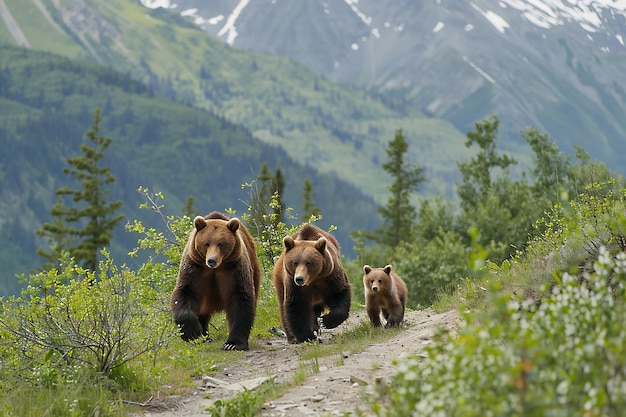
(432,246)
(105,333)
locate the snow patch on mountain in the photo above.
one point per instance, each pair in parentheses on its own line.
(549,13)
(353,5)
(155,4)
(496,20)
(194,16)
(229,27)
(479,70)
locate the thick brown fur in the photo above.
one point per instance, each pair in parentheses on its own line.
(310,280)
(219,271)
(385,292)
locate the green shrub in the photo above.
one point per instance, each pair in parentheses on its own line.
(431,268)
(565,357)
(550,339)
(71,318)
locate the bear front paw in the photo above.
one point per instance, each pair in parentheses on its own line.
(303,339)
(235,346)
(330,321)
(393,323)
(191,330)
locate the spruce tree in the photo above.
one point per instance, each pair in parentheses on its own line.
(90,219)
(477,173)
(58,234)
(309,208)
(270,185)
(399,214)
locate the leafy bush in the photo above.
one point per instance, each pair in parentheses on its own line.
(71,318)
(431,268)
(559,352)
(564,357)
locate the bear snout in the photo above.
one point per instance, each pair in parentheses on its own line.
(374,288)
(211,262)
(299,280)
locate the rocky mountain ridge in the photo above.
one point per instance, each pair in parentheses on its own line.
(552,64)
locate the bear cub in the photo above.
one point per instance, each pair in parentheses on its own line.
(219,271)
(385,292)
(310,280)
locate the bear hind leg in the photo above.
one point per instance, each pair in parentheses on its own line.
(339,307)
(204,320)
(394,316)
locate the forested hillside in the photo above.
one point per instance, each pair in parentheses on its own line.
(334,129)
(47,103)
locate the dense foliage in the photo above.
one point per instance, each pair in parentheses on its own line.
(110,330)
(558,350)
(107,333)
(496,217)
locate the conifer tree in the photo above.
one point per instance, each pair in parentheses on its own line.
(477,173)
(278,188)
(58,234)
(309,208)
(270,185)
(399,214)
(90,219)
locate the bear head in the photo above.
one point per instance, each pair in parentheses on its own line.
(377,280)
(216,240)
(307,260)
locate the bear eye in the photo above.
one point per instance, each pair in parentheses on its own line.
(380,280)
(371,281)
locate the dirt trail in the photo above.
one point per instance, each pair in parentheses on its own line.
(335,390)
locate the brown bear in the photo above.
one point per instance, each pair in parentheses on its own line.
(219,271)
(385,292)
(310,280)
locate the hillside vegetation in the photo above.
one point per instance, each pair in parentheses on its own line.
(59,357)
(332,129)
(46,107)
(80,341)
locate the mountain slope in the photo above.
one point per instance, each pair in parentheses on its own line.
(47,104)
(556,65)
(332,129)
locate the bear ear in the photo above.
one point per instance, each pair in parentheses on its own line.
(320,245)
(289,243)
(367,269)
(387,269)
(199,222)
(233,224)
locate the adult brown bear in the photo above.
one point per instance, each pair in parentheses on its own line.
(310,280)
(385,292)
(219,271)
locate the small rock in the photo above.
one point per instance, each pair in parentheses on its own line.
(357,381)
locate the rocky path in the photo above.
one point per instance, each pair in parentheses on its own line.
(335,389)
